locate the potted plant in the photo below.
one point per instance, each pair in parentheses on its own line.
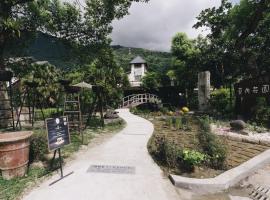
(14,153)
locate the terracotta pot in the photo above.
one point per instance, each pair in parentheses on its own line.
(14,153)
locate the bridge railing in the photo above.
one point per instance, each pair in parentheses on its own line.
(137,99)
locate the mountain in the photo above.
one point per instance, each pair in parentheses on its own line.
(157,61)
(47,48)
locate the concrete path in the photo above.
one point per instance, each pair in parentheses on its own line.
(127,148)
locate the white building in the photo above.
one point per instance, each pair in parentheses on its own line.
(138,69)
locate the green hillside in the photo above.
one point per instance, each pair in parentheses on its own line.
(44,47)
(157,61)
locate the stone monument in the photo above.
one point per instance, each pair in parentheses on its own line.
(204,90)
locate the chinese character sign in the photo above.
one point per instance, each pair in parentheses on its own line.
(252,89)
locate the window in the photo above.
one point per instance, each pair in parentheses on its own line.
(138,78)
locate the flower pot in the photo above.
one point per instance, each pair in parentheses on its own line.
(14,153)
(5,75)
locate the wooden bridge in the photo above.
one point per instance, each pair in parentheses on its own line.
(138,99)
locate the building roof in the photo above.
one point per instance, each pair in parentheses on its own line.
(138,60)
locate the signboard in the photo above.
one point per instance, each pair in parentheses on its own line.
(253,87)
(58,133)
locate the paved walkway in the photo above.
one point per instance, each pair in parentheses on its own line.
(127,148)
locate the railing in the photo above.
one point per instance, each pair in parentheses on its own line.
(138,99)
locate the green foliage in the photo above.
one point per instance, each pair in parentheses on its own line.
(178,123)
(151,81)
(220,102)
(165,152)
(211,145)
(182,47)
(261,112)
(192,158)
(236,45)
(38,146)
(44,74)
(157,61)
(13,189)
(184,64)
(169,154)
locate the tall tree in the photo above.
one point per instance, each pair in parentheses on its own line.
(83,30)
(238,41)
(184,63)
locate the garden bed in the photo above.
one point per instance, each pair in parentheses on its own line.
(185,137)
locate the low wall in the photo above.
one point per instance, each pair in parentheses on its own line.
(224,180)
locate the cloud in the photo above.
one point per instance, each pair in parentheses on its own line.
(153,25)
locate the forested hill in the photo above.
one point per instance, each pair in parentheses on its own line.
(45,47)
(157,61)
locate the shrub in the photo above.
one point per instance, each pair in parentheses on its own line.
(261,112)
(192,158)
(211,145)
(220,102)
(165,152)
(38,146)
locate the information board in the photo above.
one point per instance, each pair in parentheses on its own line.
(57,133)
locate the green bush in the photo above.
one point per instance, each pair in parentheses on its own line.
(220,103)
(38,146)
(169,154)
(211,145)
(192,158)
(165,152)
(261,113)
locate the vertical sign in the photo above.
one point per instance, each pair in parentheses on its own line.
(58,133)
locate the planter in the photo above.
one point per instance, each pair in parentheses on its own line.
(14,153)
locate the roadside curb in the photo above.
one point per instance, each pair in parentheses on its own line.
(224,180)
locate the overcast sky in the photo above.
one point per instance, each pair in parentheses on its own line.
(152,25)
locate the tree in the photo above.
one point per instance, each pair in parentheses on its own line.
(185,62)
(238,41)
(83,30)
(108,78)
(151,81)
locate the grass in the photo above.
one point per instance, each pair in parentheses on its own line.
(13,189)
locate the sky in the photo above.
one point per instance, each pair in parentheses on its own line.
(152,25)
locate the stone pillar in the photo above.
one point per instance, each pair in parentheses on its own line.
(204,90)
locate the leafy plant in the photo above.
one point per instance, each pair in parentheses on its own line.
(38,146)
(220,102)
(192,158)
(178,123)
(211,145)
(261,113)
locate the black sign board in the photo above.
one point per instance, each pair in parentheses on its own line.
(259,87)
(58,133)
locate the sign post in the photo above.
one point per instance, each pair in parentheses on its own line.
(58,137)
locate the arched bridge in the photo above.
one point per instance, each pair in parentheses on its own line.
(138,99)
